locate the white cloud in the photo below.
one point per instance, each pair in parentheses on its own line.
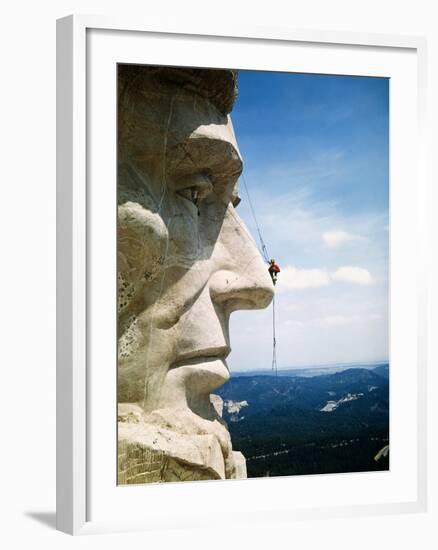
(333,239)
(294,278)
(292,308)
(334,321)
(375,317)
(294,323)
(352,274)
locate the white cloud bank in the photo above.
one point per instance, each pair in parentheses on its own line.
(353,274)
(295,278)
(334,321)
(333,239)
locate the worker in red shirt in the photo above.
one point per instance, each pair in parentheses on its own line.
(273,270)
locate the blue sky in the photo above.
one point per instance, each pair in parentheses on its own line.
(315,150)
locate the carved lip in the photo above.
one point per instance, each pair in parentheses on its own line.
(202,356)
(192,379)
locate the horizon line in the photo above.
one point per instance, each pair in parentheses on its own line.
(319,365)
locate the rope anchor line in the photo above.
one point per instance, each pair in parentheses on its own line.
(264,250)
(264,253)
(274,340)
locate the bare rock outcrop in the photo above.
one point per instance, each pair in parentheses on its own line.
(174,445)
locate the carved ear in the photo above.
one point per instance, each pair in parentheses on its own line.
(142,236)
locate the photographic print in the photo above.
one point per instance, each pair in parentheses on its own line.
(253,259)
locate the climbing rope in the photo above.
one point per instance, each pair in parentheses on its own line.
(264,252)
(274,340)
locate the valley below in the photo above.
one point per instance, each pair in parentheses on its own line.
(326,421)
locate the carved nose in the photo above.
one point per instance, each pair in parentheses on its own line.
(235,290)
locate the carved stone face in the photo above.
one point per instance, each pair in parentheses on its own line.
(185,259)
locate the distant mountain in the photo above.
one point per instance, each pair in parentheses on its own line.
(382,370)
(265,392)
(299,425)
(308,372)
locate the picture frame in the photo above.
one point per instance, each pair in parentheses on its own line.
(78,372)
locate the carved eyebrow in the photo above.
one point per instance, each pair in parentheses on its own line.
(217,157)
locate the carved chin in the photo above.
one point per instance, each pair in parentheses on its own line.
(185,436)
(173,444)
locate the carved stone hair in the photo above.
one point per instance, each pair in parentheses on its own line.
(219,86)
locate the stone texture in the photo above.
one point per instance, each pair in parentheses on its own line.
(185,263)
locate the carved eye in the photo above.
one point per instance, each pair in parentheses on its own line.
(191,194)
(194,188)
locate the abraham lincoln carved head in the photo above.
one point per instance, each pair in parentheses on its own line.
(185,262)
